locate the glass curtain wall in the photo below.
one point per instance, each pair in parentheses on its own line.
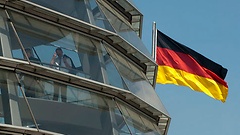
(14,109)
(135,80)
(85,10)
(107,116)
(30,101)
(123,27)
(88,55)
(98,13)
(44,39)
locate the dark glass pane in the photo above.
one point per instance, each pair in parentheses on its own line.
(15,110)
(1,53)
(73,8)
(74,111)
(136,81)
(124,29)
(99,19)
(137,123)
(43,39)
(113,73)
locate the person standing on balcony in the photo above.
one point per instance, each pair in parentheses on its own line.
(31,57)
(63,63)
(32,85)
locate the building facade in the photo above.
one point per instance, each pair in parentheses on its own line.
(76,67)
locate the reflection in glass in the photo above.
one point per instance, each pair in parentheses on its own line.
(120,126)
(1,53)
(86,56)
(90,58)
(83,111)
(44,39)
(14,109)
(135,80)
(113,73)
(85,10)
(138,124)
(2,118)
(74,8)
(32,85)
(98,17)
(30,56)
(6,31)
(124,29)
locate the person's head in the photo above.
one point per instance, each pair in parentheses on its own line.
(59,51)
(29,52)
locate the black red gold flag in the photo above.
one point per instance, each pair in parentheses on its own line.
(180,65)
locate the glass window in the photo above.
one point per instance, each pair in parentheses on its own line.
(54,104)
(80,55)
(71,52)
(84,103)
(14,110)
(68,51)
(113,76)
(138,124)
(85,10)
(1,53)
(77,109)
(74,8)
(1,106)
(5,31)
(98,17)
(135,80)
(123,28)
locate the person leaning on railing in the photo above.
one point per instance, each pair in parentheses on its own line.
(60,62)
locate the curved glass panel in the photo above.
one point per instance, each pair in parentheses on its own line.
(2,108)
(124,29)
(62,50)
(14,110)
(75,110)
(112,75)
(136,81)
(74,8)
(80,55)
(1,53)
(6,32)
(88,56)
(138,124)
(85,10)
(98,18)
(65,109)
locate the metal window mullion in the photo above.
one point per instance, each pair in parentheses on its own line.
(119,108)
(102,63)
(110,104)
(89,12)
(28,105)
(18,39)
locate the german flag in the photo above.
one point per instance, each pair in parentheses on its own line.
(180,65)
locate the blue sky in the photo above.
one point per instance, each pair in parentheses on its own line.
(212,28)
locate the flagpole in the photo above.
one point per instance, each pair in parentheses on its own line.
(154,40)
(154,49)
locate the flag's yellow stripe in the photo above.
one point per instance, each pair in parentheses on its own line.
(210,87)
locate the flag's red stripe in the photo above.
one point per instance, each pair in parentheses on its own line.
(186,63)
(216,77)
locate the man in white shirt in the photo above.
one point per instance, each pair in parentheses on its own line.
(62,63)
